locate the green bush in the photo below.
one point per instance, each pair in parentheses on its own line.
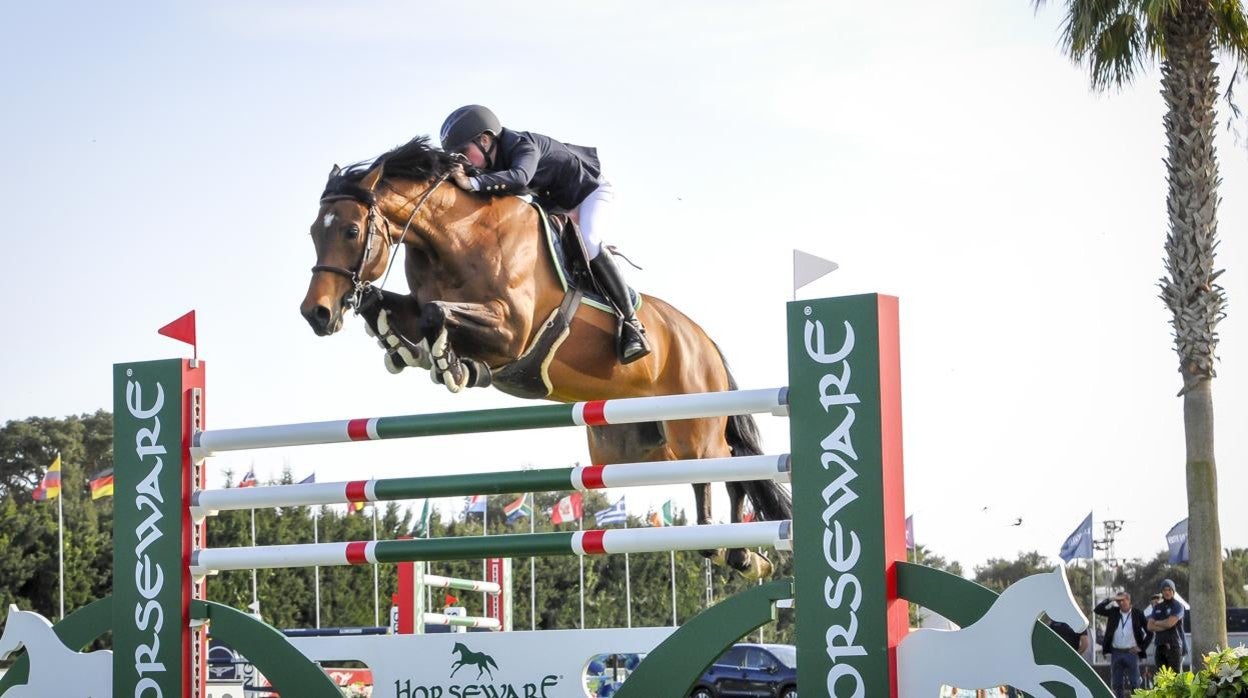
(1225,676)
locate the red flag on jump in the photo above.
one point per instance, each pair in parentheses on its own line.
(182,329)
(451,600)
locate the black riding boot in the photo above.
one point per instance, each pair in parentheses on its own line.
(631,341)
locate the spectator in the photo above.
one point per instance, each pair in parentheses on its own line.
(1126,642)
(1166,622)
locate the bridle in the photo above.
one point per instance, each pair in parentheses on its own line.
(359,286)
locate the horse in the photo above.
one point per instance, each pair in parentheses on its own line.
(55,670)
(480,660)
(483,290)
(998,645)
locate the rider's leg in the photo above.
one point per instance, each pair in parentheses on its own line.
(594,216)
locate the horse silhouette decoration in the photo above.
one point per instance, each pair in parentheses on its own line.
(995,650)
(55,670)
(467,657)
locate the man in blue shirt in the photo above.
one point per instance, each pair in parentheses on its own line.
(1167,624)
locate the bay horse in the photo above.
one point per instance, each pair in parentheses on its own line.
(483,286)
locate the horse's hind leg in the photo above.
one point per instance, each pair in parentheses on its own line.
(749,563)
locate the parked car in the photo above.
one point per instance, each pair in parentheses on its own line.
(757,671)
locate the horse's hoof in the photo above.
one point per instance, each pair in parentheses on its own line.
(760,567)
(393,365)
(455,380)
(414,357)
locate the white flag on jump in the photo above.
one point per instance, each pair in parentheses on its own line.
(807,268)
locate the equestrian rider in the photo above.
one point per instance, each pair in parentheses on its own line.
(561,177)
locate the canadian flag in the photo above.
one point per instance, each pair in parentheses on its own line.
(568,510)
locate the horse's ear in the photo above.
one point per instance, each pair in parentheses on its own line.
(335,172)
(373,177)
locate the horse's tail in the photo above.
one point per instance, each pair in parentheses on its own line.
(771,501)
(490,661)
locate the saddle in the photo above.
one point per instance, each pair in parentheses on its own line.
(527,376)
(571,260)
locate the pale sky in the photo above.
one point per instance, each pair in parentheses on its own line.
(163,157)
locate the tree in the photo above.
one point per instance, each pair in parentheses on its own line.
(1114,40)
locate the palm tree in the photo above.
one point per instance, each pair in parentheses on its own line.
(1114,40)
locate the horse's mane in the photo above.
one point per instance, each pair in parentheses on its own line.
(415,160)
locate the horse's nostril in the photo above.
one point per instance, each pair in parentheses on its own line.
(322,315)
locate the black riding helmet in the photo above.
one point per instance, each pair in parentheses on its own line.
(466,123)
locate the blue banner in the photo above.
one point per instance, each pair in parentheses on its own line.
(1176,541)
(1079,543)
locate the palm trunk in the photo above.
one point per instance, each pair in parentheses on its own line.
(1204,537)
(1189,86)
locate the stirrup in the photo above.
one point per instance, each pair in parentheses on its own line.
(636,339)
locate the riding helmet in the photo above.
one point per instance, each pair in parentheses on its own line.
(466,123)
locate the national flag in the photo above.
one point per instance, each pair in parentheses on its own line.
(49,487)
(475,504)
(614,514)
(249,480)
(309,479)
(910,532)
(568,510)
(518,509)
(1079,543)
(662,517)
(1176,541)
(422,522)
(102,484)
(355,507)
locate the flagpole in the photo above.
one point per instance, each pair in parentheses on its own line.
(255,598)
(376,580)
(673,560)
(628,584)
(316,584)
(533,568)
(60,536)
(485,564)
(581,561)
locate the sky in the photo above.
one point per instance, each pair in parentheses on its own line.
(165,156)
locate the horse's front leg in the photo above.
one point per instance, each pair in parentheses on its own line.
(394,320)
(459,334)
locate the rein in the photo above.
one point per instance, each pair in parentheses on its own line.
(358,285)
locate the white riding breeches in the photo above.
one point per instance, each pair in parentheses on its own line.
(594,217)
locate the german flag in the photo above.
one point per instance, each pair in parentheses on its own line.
(102,485)
(49,487)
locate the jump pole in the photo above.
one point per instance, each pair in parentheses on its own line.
(843,400)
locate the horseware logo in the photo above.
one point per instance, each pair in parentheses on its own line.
(467,657)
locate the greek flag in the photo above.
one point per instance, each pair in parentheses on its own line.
(1079,543)
(614,514)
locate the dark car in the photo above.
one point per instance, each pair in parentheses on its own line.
(758,671)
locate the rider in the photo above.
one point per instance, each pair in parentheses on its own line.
(560,177)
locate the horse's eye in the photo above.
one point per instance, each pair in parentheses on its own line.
(353,231)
